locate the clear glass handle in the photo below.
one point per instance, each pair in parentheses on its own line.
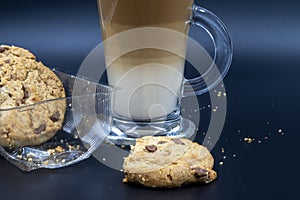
(223,52)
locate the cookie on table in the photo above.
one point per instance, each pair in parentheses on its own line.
(160,161)
(25,81)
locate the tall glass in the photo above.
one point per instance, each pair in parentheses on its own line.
(148,79)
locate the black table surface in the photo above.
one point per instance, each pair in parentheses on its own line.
(262,95)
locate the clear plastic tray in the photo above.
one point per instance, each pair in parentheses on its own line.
(86,124)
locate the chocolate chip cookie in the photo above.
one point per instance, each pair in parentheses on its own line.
(33,89)
(168,162)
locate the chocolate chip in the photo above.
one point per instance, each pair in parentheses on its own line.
(199,172)
(151,148)
(170,177)
(2,49)
(25,94)
(55,117)
(162,142)
(40,129)
(177,141)
(7,61)
(13,77)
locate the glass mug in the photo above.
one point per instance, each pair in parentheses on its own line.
(148,82)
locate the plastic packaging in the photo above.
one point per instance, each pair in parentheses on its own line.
(86,124)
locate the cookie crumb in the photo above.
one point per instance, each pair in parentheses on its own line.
(59,149)
(51,151)
(222,150)
(248,140)
(46,162)
(266,137)
(70,147)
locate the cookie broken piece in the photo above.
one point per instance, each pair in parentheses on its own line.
(159,161)
(25,81)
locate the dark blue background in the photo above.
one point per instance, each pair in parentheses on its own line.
(262,92)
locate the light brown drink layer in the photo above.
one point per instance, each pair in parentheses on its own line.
(120,15)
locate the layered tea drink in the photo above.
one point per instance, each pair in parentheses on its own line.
(149,81)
